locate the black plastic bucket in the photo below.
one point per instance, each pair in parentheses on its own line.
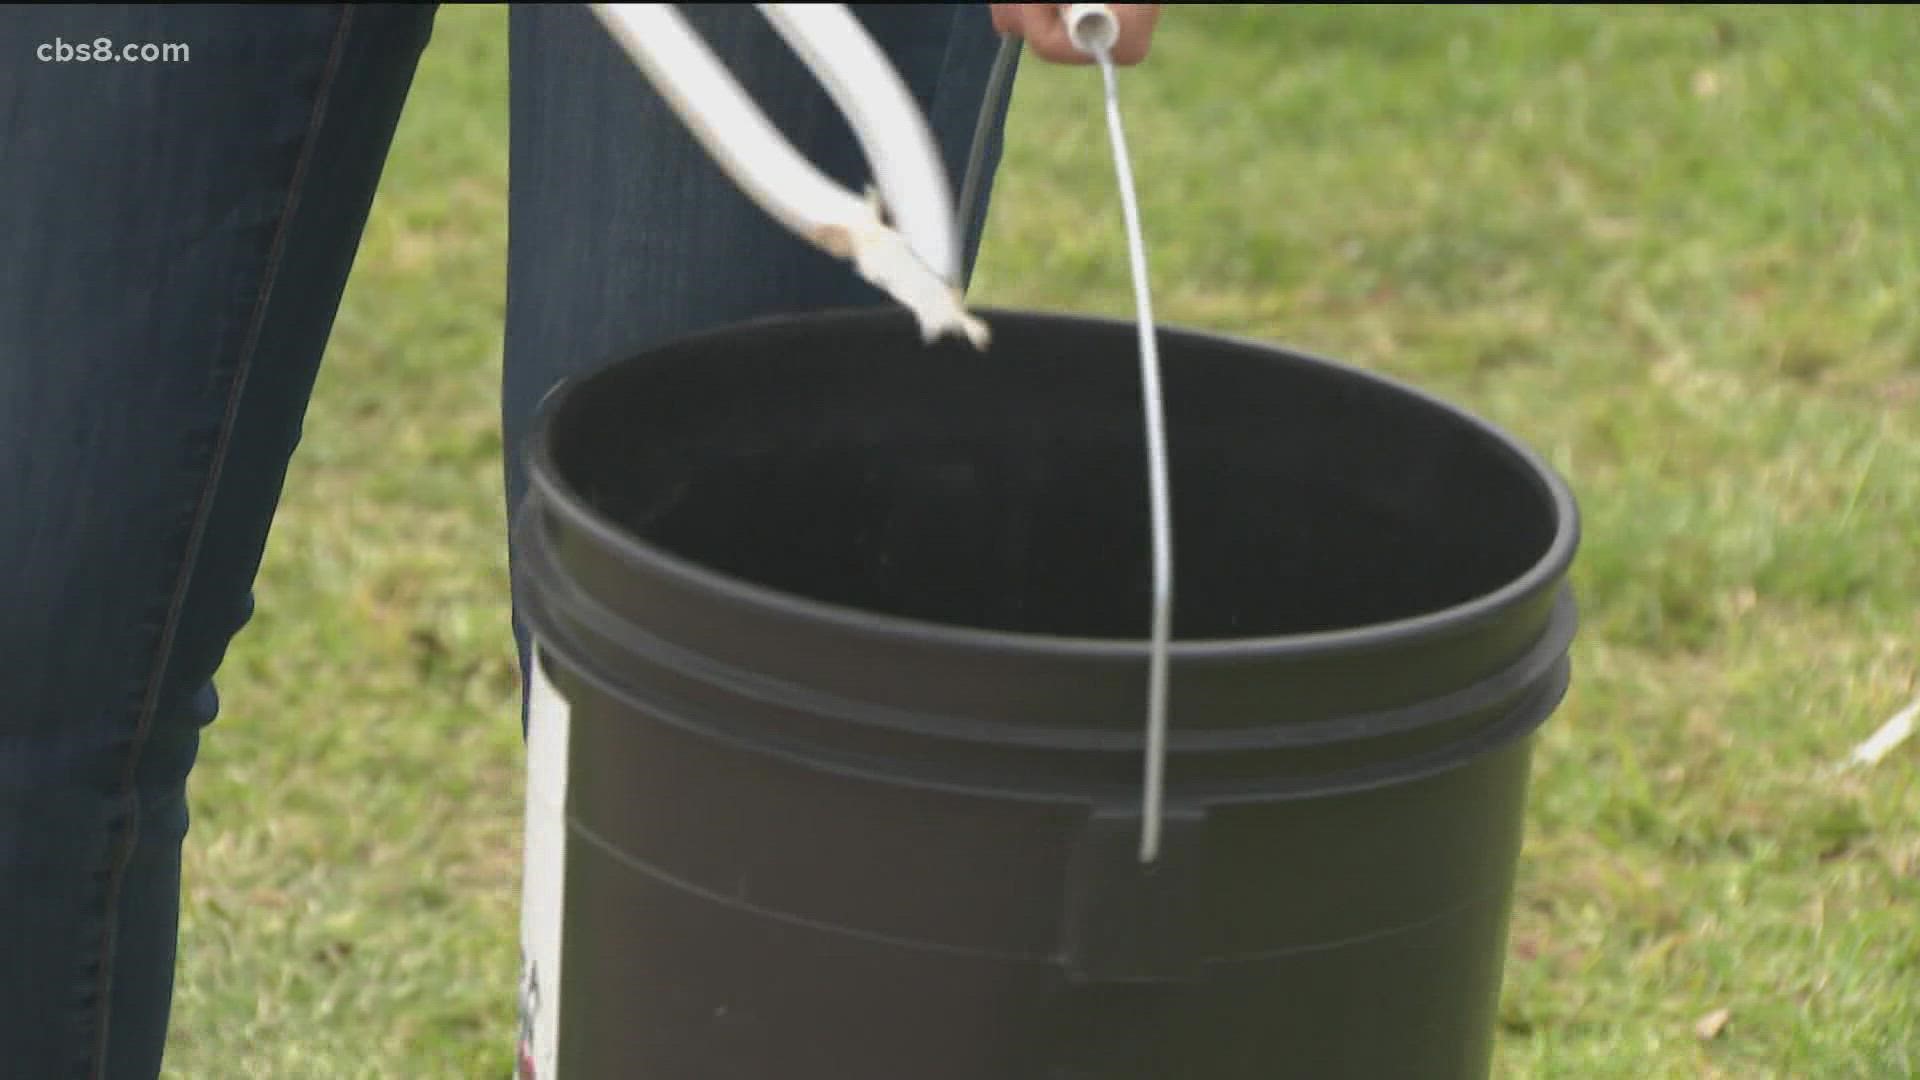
(846,637)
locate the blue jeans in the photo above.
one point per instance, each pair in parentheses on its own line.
(174,239)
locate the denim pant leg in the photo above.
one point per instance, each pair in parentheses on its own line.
(624,234)
(174,239)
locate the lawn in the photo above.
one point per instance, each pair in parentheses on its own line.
(1675,249)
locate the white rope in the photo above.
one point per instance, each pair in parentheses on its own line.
(1094,30)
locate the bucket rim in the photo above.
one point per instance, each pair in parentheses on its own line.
(1545,572)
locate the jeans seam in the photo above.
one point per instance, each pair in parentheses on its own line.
(942,80)
(121,850)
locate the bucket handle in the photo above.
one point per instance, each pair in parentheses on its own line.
(919,264)
(1094,30)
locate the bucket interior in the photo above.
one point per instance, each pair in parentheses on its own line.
(838,459)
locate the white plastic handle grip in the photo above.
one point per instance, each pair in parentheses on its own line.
(1092,28)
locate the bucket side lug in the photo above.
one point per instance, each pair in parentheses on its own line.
(1126,921)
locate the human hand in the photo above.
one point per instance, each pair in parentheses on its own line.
(1044,28)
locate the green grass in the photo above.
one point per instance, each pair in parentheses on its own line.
(1675,249)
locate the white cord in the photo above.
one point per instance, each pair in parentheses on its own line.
(1094,30)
